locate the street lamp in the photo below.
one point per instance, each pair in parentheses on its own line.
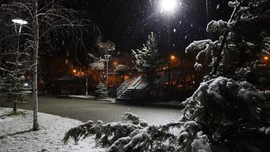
(19,22)
(16,22)
(107,58)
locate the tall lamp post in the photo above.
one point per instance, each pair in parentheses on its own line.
(107,58)
(168,7)
(18,25)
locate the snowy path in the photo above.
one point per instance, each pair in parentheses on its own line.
(95,110)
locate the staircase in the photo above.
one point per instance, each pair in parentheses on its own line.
(132,90)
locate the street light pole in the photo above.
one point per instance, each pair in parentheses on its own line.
(168,7)
(169,51)
(18,31)
(107,58)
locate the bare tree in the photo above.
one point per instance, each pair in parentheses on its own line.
(48,21)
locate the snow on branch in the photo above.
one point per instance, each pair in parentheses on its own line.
(222,104)
(134,136)
(217,27)
(205,49)
(98,65)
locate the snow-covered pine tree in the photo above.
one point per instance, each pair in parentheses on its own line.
(241,41)
(15,63)
(148,59)
(232,112)
(101,91)
(13,82)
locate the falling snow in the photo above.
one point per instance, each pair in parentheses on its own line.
(217,6)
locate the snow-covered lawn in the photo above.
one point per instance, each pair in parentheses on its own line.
(47,139)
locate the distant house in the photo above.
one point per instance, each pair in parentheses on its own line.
(69,85)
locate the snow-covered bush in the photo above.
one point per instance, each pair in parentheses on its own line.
(134,135)
(228,111)
(101,91)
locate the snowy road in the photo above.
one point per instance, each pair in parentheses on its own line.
(85,110)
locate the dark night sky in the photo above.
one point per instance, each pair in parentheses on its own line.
(128,22)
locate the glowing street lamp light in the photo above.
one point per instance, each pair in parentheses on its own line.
(265,58)
(19,22)
(74,71)
(173,57)
(168,5)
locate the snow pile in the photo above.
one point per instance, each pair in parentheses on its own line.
(16,135)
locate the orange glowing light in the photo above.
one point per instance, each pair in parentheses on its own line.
(126,77)
(74,71)
(115,63)
(266,58)
(173,57)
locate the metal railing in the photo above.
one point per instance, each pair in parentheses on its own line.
(128,83)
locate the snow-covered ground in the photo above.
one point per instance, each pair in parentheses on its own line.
(47,139)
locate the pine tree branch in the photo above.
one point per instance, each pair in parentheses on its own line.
(216,63)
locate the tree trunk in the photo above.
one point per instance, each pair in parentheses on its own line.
(15,107)
(35,86)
